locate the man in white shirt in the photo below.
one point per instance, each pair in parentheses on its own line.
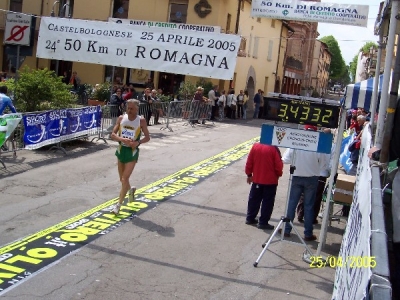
(214,100)
(304,180)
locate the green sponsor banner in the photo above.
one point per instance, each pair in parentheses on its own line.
(8,123)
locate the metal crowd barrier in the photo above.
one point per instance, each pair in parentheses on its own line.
(380,286)
(190,112)
(177,111)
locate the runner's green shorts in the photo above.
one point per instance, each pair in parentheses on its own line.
(127,154)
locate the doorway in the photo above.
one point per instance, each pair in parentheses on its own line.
(170,83)
(63,66)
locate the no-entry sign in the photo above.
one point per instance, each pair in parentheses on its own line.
(17,31)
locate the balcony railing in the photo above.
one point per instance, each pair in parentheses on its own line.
(294,63)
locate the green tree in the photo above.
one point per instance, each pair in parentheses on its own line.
(206,85)
(345,78)
(353,67)
(338,66)
(187,90)
(40,90)
(353,64)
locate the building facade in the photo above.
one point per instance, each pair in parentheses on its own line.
(299,58)
(320,69)
(263,40)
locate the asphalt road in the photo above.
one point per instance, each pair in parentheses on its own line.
(192,246)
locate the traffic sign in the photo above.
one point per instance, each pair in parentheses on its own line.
(17,31)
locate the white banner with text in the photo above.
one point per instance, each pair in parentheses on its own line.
(354,262)
(345,14)
(151,24)
(202,54)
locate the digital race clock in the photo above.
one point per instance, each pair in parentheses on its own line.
(322,113)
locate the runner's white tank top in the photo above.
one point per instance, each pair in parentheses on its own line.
(130,129)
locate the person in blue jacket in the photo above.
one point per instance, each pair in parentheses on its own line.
(5,101)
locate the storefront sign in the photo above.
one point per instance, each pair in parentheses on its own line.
(345,14)
(201,54)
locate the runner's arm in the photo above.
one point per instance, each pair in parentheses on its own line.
(145,132)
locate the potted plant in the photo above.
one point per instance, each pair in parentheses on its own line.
(101,94)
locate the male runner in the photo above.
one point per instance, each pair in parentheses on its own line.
(127,131)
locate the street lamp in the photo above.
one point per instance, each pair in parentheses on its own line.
(61,12)
(64,8)
(52,14)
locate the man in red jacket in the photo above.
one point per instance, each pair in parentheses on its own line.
(263,168)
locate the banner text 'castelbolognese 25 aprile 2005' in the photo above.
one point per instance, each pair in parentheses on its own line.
(203,54)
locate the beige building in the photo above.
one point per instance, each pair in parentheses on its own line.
(260,61)
(320,69)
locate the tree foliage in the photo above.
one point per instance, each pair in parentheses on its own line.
(40,90)
(338,66)
(345,78)
(353,64)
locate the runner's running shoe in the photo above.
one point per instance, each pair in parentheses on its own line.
(131,194)
(116,208)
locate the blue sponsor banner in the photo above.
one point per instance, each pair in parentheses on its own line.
(75,122)
(344,158)
(51,127)
(35,133)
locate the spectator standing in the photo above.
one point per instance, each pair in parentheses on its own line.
(195,107)
(232,101)
(156,106)
(66,77)
(257,101)
(148,105)
(130,94)
(261,110)
(221,105)
(304,180)
(149,84)
(263,169)
(5,101)
(245,102)
(117,103)
(213,98)
(324,174)
(240,103)
(75,80)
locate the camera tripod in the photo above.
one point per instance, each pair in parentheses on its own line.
(284,219)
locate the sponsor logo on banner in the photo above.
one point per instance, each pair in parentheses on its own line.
(345,14)
(149,24)
(280,134)
(54,126)
(203,54)
(22,259)
(295,138)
